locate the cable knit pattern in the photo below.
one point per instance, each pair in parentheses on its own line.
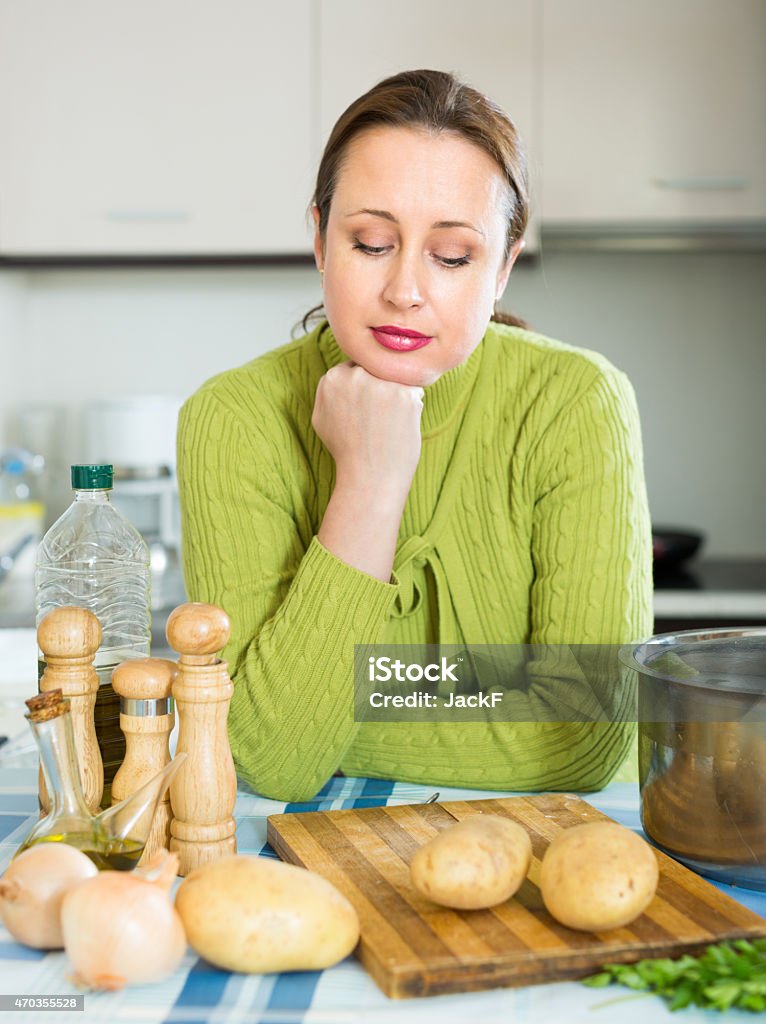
(527,522)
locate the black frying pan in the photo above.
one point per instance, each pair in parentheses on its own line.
(671,547)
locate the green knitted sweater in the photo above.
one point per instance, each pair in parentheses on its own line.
(527,522)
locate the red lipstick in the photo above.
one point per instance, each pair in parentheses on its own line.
(399,339)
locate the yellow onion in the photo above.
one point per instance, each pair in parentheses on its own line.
(32,888)
(121,929)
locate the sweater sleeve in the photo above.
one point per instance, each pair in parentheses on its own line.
(296,609)
(591,552)
(591,531)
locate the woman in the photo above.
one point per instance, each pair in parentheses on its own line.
(413,471)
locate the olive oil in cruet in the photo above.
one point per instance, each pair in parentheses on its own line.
(113,839)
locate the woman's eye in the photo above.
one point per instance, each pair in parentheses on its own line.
(379,250)
(371,250)
(456,261)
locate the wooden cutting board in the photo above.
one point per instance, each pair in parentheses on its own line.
(413,947)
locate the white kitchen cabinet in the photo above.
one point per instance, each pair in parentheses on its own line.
(654,111)
(492,45)
(174,127)
(193,127)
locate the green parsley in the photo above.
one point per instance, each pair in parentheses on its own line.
(728,975)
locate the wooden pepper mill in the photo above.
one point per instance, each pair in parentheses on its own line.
(203,794)
(147,720)
(69,638)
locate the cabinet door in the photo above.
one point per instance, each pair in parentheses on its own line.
(160,128)
(654,111)
(491,45)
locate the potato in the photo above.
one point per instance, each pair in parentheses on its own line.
(598,876)
(476,863)
(256,915)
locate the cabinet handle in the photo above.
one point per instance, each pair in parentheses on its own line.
(733,183)
(148,216)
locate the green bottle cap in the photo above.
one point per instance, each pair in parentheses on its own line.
(92,478)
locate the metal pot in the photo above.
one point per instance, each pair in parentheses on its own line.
(702,749)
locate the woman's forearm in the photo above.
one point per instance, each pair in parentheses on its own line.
(361,525)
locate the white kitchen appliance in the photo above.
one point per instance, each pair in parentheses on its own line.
(137,435)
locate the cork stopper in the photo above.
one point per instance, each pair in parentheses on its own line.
(46,706)
(144,678)
(198,630)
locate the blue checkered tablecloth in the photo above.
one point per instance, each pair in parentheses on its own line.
(345,994)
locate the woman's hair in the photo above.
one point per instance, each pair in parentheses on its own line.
(433,101)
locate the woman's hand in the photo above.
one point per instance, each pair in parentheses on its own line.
(371,427)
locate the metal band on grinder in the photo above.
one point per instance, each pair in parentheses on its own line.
(146,708)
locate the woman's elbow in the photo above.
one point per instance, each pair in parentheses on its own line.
(277,785)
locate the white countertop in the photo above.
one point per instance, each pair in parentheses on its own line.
(728,604)
(18,677)
(711,588)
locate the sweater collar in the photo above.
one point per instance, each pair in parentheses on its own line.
(444,400)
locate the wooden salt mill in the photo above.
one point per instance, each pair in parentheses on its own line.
(203,793)
(69,638)
(147,720)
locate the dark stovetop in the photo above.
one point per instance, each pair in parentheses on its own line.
(742,575)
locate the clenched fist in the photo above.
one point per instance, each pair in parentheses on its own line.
(371,427)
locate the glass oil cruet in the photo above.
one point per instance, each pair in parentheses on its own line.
(113,839)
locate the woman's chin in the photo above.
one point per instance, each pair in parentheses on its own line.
(401,372)
(413,380)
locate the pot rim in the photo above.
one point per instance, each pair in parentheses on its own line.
(634,655)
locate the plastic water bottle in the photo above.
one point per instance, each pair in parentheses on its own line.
(94,558)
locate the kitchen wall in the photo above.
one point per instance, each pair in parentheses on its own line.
(688,327)
(12,295)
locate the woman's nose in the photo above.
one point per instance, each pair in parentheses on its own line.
(403,287)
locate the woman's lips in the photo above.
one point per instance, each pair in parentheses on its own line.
(400,339)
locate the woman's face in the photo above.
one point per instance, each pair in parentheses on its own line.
(413,255)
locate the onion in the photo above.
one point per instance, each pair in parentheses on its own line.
(32,888)
(122,929)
